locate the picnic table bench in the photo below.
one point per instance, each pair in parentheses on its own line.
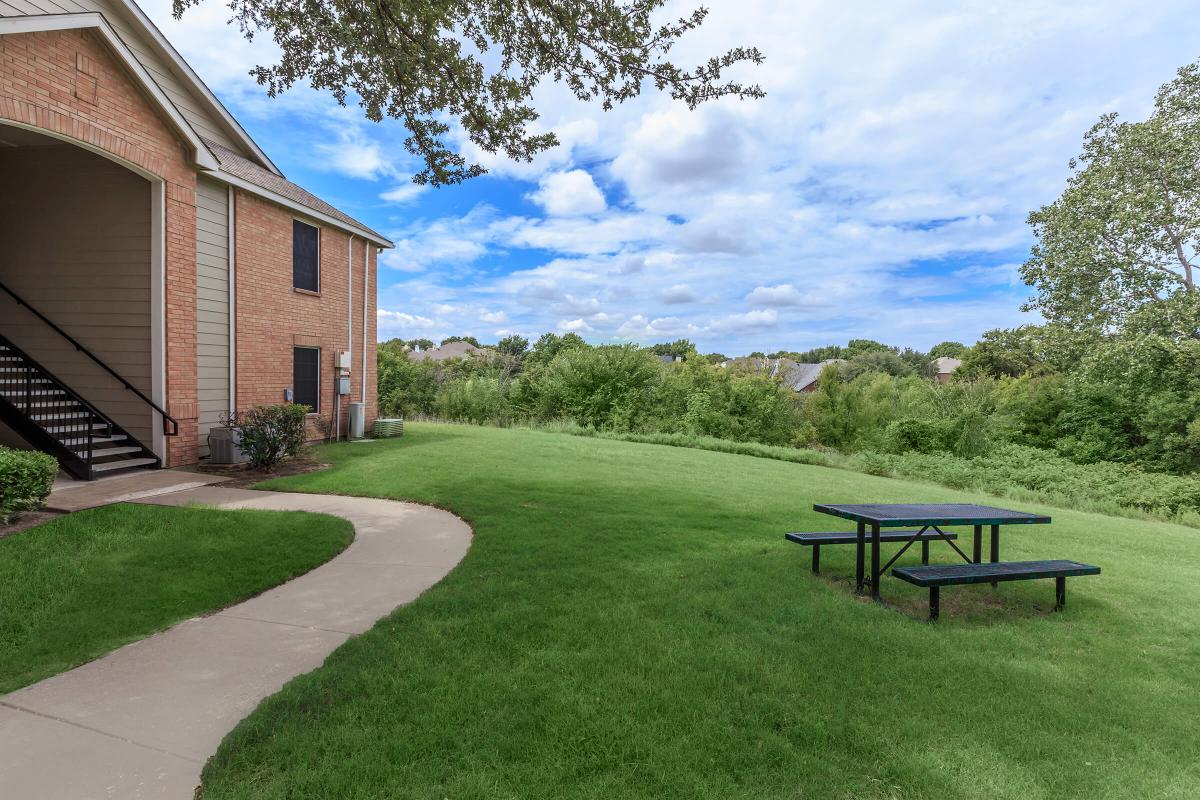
(816,539)
(941,575)
(877,523)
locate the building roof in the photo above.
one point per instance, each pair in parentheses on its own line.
(241,167)
(446,352)
(792,374)
(945,364)
(250,169)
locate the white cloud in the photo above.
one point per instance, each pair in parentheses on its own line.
(354,155)
(678,294)
(493,317)
(402,320)
(782,295)
(574,326)
(750,320)
(404,193)
(568,194)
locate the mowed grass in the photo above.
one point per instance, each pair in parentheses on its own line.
(630,623)
(82,585)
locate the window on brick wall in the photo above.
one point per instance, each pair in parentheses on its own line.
(306,377)
(306,260)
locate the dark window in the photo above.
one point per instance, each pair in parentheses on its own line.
(305,268)
(306,377)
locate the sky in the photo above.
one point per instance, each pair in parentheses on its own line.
(880,190)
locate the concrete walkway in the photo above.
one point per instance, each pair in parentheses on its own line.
(141,722)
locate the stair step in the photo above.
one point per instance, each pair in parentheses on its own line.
(33,392)
(129,463)
(81,442)
(76,429)
(18,388)
(111,452)
(66,413)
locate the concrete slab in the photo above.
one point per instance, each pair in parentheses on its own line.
(141,721)
(76,495)
(49,759)
(182,690)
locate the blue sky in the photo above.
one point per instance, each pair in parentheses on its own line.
(880,190)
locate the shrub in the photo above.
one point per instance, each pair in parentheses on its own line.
(920,435)
(270,434)
(25,480)
(477,399)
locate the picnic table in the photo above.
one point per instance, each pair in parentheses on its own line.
(924,518)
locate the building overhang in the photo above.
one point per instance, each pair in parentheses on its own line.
(95,22)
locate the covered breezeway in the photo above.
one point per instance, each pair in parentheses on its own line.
(81,243)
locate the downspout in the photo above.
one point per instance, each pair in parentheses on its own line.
(366,285)
(232,223)
(349,321)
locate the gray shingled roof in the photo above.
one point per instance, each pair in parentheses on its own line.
(792,374)
(241,167)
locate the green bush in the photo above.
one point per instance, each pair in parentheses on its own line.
(478,400)
(25,480)
(407,388)
(919,435)
(270,434)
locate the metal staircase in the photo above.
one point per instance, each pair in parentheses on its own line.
(49,415)
(52,417)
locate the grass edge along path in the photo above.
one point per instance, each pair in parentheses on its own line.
(629,623)
(82,585)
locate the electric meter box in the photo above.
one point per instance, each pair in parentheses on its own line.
(343,386)
(343,363)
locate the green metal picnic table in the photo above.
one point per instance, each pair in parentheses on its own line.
(924,517)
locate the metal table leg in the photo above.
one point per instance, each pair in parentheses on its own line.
(860,557)
(875,561)
(995,554)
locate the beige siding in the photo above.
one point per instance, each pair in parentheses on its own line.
(212,304)
(182,97)
(75,243)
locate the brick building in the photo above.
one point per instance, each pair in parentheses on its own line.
(156,269)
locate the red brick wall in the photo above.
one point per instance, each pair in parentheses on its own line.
(272,317)
(66,82)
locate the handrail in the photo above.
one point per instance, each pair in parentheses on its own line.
(49,376)
(174,428)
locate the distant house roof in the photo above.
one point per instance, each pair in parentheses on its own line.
(794,375)
(946,365)
(446,352)
(239,166)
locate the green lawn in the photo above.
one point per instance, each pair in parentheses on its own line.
(87,583)
(630,623)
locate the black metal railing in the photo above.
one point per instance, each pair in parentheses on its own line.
(49,403)
(170,424)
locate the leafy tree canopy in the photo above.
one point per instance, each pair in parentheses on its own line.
(680,347)
(1125,234)
(424,61)
(513,345)
(947,349)
(471,340)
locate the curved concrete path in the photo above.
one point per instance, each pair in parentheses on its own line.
(141,722)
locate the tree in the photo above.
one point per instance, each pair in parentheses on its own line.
(471,340)
(422,61)
(947,349)
(682,348)
(513,345)
(1125,234)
